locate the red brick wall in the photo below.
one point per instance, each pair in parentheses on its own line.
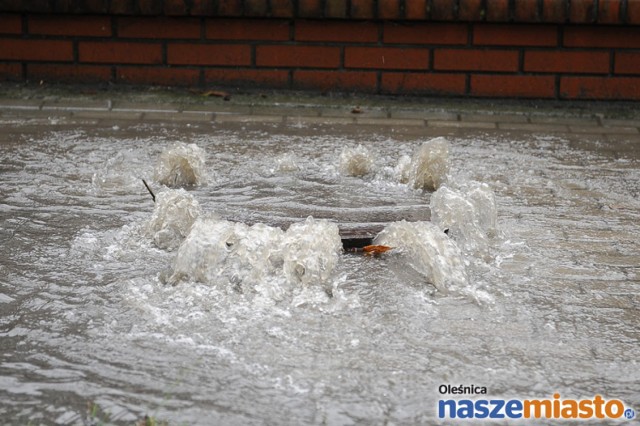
(554,49)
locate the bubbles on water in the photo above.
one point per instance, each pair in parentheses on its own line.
(356,161)
(258,259)
(181,165)
(310,251)
(174,213)
(428,167)
(286,163)
(470,214)
(403,169)
(116,173)
(429,251)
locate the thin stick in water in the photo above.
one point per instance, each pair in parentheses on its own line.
(149,189)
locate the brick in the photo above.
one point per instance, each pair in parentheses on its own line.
(150,7)
(362,9)
(229,8)
(336,31)
(282,8)
(247,29)
(10,24)
(554,11)
(310,9)
(166,76)
(202,8)
(175,8)
(633,13)
(471,10)
(429,33)
(298,56)
(475,60)
(69,73)
(33,6)
(526,11)
(158,28)
(60,25)
(498,11)
(582,11)
(275,79)
(627,63)
(515,35)
(423,84)
(348,81)
(36,50)
(335,9)
(386,58)
(256,8)
(602,88)
(415,10)
(11,6)
(442,10)
(567,62)
(93,6)
(120,7)
(208,54)
(120,52)
(609,37)
(513,86)
(609,11)
(389,9)
(10,72)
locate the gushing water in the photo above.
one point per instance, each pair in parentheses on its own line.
(533,291)
(258,258)
(428,167)
(429,251)
(356,161)
(181,165)
(174,212)
(469,213)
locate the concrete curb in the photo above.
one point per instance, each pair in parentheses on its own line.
(524,119)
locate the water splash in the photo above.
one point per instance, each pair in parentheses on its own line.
(286,163)
(117,173)
(310,251)
(470,214)
(428,167)
(259,258)
(356,161)
(174,213)
(429,251)
(181,165)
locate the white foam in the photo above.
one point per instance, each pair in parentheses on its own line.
(429,165)
(181,165)
(429,251)
(259,258)
(286,163)
(174,213)
(470,214)
(356,161)
(403,169)
(117,173)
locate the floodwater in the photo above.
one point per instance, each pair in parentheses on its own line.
(97,326)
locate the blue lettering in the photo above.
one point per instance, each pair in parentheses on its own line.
(444,404)
(513,409)
(497,406)
(482,409)
(466,409)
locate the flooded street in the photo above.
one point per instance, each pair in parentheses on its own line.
(91,327)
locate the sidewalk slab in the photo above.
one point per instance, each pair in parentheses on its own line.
(462,124)
(440,116)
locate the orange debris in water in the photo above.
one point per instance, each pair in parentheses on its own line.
(375,250)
